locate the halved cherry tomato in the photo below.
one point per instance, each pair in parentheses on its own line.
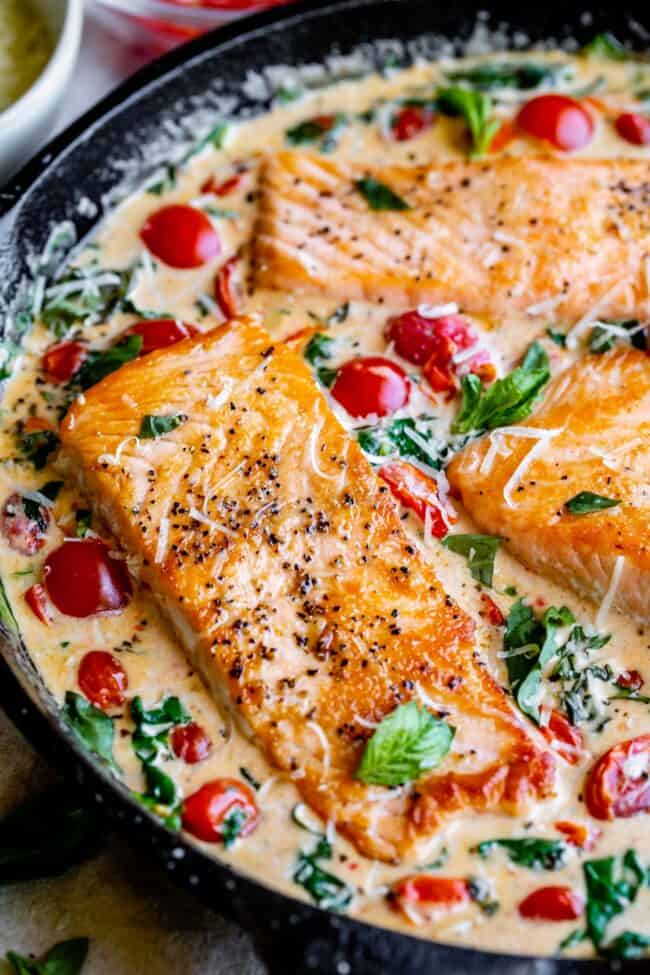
(630,680)
(491,611)
(227,294)
(103,679)
(582,835)
(25,534)
(634,128)
(190,742)
(411,121)
(36,599)
(181,236)
(371,385)
(82,579)
(415,490)
(503,137)
(62,361)
(554,903)
(206,811)
(564,737)
(159,333)
(557,119)
(618,785)
(226,187)
(431,895)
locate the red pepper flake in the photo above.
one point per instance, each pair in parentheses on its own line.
(491,611)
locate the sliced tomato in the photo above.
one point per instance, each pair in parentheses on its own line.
(24,529)
(102,679)
(557,119)
(206,812)
(634,128)
(60,362)
(225,188)
(564,737)
(618,785)
(371,386)
(160,333)
(630,680)
(227,291)
(427,895)
(553,903)
(411,121)
(191,743)
(418,492)
(491,611)
(36,599)
(181,236)
(83,579)
(582,835)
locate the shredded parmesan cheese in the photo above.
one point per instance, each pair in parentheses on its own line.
(163,539)
(612,589)
(438,311)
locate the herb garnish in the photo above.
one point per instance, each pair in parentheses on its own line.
(153,426)
(326,890)
(151,745)
(37,446)
(65,958)
(586,502)
(480,890)
(407,743)
(378,196)
(93,727)
(606,46)
(528,851)
(480,552)
(559,338)
(474,107)
(604,336)
(508,74)
(101,363)
(408,438)
(321,128)
(88,294)
(319,347)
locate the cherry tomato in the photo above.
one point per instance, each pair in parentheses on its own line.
(371,385)
(411,121)
(159,333)
(555,903)
(191,743)
(557,119)
(36,599)
(582,835)
(82,579)
(62,361)
(491,611)
(25,533)
(205,811)
(618,785)
(503,137)
(634,128)
(564,737)
(181,236)
(103,680)
(226,292)
(418,492)
(423,892)
(223,189)
(416,338)
(630,680)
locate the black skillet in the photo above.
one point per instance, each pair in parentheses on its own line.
(293,938)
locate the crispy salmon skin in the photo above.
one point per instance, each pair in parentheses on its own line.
(496,237)
(280,559)
(595,426)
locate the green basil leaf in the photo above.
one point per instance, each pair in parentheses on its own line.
(605,46)
(65,958)
(160,787)
(408,743)
(628,945)
(93,728)
(378,196)
(168,713)
(612,885)
(319,348)
(232,826)
(586,502)
(490,75)
(528,851)
(474,107)
(480,552)
(98,365)
(153,426)
(325,889)
(408,438)
(559,338)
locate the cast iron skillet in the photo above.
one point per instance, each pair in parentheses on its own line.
(292,937)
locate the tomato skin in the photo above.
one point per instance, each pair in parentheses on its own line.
(102,679)
(371,385)
(190,743)
(611,792)
(579,834)
(634,128)
(23,534)
(205,811)
(226,188)
(491,611)
(553,903)
(429,894)
(181,236)
(416,491)
(503,137)
(630,680)
(36,599)
(410,121)
(225,291)
(160,333)
(62,361)
(82,579)
(565,738)
(557,119)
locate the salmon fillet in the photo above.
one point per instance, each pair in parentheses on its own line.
(599,410)
(496,237)
(281,562)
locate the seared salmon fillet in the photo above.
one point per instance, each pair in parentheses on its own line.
(280,560)
(572,236)
(595,427)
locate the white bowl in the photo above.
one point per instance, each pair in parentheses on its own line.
(26,123)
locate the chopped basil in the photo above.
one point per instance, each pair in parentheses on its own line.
(508,400)
(528,851)
(606,46)
(232,826)
(340,314)
(150,742)
(37,446)
(252,781)
(93,727)
(605,335)
(523,75)
(378,196)
(326,376)
(163,181)
(319,347)
(585,503)
(153,426)
(480,552)
(408,743)
(628,945)
(556,336)
(480,890)
(216,137)
(84,520)
(65,958)
(474,107)
(325,889)
(88,294)
(100,364)
(315,129)
(407,438)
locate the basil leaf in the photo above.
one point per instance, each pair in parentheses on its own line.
(93,728)
(378,196)
(313,129)
(65,958)
(605,46)
(327,890)
(150,742)
(232,826)
(559,338)
(98,365)
(474,107)
(407,743)
(153,426)
(84,520)
(585,503)
(528,851)
(319,347)
(508,74)
(606,335)
(628,945)
(480,552)
(160,787)
(165,182)
(612,886)
(216,137)
(407,438)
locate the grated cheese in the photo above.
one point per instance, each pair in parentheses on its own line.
(163,539)
(542,437)
(545,306)
(320,734)
(114,459)
(610,595)
(438,311)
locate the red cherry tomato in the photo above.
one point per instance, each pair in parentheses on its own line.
(24,533)
(410,121)
(429,895)
(555,903)
(36,599)
(557,119)
(634,128)
(416,338)
(62,361)
(583,836)
(618,785)
(415,490)
(82,579)
(630,680)
(191,743)
(159,333)
(371,385)
(223,189)
(103,680)
(181,236)
(491,611)
(226,291)
(564,737)
(205,811)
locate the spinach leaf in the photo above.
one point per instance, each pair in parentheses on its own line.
(480,552)
(523,75)
(606,46)
(93,728)
(474,107)
(216,137)
(150,742)
(612,886)
(319,347)
(324,129)
(37,446)
(408,438)
(628,945)
(99,364)
(378,196)
(528,851)
(325,889)
(480,890)
(65,958)
(163,181)
(585,503)
(88,294)
(153,426)
(406,744)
